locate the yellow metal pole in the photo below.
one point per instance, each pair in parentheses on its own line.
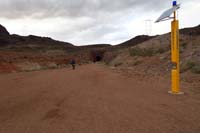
(175,72)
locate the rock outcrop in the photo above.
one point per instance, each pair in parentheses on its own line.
(3,31)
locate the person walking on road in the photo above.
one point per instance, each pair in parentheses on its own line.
(73,63)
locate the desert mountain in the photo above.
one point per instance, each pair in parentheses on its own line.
(136,40)
(30,43)
(33,52)
(3,31)
(194,31)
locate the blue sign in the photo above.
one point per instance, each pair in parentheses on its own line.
(174,3)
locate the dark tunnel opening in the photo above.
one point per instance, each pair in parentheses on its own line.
(98,58)
(97,55)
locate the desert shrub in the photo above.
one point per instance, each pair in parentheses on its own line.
(109,57)
(191,65)
(135,52)
(145,51)
(187,66)
(160,50)
(118,64)
(52,65)
(140,52)
(196,69)
(184,45)
(137,62)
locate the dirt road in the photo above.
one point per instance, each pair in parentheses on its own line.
(94,99)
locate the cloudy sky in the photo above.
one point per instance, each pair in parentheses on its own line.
(92,21)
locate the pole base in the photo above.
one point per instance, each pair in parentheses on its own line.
(175,93)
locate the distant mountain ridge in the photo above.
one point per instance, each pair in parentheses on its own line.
(35,41)
(191,31)
(3,31)
(136,40)
(30,43)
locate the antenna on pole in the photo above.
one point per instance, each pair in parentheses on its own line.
(148,27)
(175,63)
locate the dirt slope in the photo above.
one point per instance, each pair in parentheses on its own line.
(94,99)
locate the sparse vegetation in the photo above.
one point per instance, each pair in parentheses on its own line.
(145,51)
(184,45)
(191,65)
(160,50)
(109,56)
(118,64)
(187,66)
(137,62)
(196,69)
(141,52)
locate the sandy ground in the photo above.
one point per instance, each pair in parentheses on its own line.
(94,99)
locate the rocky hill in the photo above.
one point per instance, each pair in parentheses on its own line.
(141,53)
(30,43)
(194,31)
(27,53)
(153,57)
(136,40)
(3,31)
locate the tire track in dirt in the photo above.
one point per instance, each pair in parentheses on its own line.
(93,99)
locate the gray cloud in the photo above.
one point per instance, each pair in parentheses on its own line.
(82,21)
(72,8)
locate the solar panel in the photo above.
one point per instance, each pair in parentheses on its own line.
(166,15)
